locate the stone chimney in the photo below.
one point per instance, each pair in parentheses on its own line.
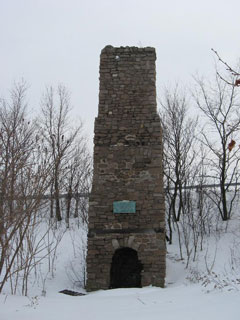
(126,239)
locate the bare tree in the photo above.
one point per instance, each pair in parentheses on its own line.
(178,139)
(60,139)
(78,182)
(33,160)
(218,102)
(24,170)
(234,72)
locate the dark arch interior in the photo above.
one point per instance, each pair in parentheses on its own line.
(125,269)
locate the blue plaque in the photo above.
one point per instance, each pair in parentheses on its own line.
(124,206)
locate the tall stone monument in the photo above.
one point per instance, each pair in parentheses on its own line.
(126,240)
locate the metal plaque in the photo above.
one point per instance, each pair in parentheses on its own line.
(124,206)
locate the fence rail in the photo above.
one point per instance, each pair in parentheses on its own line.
(87,194)
(49,196)
(205,186)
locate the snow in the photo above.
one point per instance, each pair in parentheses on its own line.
(180,302)
(208,289)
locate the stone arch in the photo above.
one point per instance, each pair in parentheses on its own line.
(125,269)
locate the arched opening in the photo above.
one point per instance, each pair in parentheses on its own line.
(125,269)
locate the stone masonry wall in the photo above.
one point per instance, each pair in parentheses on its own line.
(127,166)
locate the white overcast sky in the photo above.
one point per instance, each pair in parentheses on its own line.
(47,42)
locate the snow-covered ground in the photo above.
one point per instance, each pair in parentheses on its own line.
(208,289)
(180,302)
